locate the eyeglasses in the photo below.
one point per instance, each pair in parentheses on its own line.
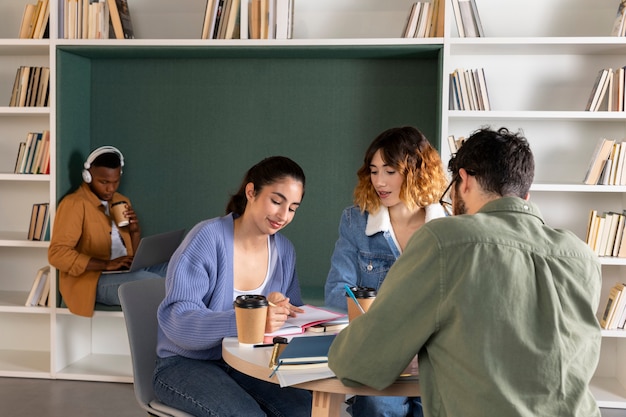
(446,204)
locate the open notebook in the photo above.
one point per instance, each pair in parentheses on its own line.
(312,315)
(153,250)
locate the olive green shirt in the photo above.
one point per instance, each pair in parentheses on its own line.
(501,310)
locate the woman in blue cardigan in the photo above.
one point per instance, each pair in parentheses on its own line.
(220,259)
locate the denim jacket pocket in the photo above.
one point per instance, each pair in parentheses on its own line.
(373,268)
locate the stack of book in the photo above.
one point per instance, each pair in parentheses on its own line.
(614,315)
(39,227)
(468,90)
(607,92)
(422,21)
(467,19)
(33,155)
(619,28)
(35,21)
(40,290)
(31,87)
(605,233)
(606,166)
(248,19)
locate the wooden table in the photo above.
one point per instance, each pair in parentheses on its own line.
(328,394)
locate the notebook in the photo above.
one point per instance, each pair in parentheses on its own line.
(153,250)
(310,317)
(306,351)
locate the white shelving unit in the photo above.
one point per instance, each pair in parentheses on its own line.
(539,67)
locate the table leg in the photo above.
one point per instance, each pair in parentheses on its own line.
(326,404)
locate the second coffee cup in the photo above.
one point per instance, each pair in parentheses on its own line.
(365,296)
(117,212)
(250,314)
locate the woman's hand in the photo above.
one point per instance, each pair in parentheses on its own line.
(279,310)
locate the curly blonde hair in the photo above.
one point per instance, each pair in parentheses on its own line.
(407,150)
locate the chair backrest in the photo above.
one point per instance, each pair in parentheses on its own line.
(140,300)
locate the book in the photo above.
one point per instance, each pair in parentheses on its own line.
(120,19)
(312,315)
(209,19)
(457,18)
(619,303)
(38,286)
(609,308)
(423,21)
(28,20)
(284,22)
(598,160)
(42,219)
(306,350)
(595,90)
(476,16)
(411,23)
(467,17)
(20,155)
(618,22)
(42,20)
(329,327)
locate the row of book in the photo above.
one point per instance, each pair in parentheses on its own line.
(607,92)
(39,227)
(467,20)
(39,294)
(422,21)
(605,233)
(248,19)
(95,19)
(607,163)
(35,20)
(468,90)
(31,87)
(33,155)
(614,314)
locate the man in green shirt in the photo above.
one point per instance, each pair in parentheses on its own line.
(499,307)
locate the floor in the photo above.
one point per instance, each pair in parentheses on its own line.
(59,398)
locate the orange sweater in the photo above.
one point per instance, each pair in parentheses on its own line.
(81,231)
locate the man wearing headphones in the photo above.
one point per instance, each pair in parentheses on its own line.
(86,241)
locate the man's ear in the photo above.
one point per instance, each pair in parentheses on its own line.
(465,180)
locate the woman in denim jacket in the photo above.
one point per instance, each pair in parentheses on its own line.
(398,190)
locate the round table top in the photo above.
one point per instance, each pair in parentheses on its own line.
(255,362)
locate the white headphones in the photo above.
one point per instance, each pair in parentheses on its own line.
(96,153)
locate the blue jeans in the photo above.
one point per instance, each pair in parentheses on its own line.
(360,406)
(106,292)
(214,389)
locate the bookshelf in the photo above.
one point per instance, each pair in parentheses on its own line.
(540,72)
(168,98)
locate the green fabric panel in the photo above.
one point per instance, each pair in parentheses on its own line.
(190,128)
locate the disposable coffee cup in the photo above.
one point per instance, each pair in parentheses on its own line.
(365,296)
(117,211)
(250,314)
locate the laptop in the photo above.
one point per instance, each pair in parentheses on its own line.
(153,250)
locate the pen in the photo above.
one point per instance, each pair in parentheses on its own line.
(263,345)
(351,294)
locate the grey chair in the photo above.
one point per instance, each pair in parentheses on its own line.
(140,300)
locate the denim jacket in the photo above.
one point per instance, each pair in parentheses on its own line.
(364,252)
